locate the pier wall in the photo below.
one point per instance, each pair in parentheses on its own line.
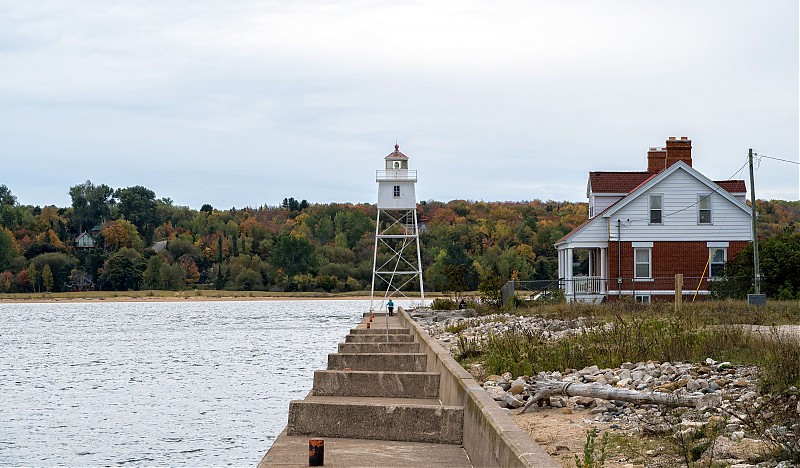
(490,437)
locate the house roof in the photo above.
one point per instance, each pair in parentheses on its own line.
(728,188)
(732,186)
(616,182)
(626,182)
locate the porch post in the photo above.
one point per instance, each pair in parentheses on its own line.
(568,276)
(591,263)
(560,263)
(569,262)
(603,269)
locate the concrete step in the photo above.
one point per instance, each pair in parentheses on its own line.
(398,362)
(371,348)
(381,331)
(404,419)
(376,384)
(293,452)
(382,338)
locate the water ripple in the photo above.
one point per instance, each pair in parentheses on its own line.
(171,383)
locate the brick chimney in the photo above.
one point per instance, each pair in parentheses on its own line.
(656,159)
(678,150)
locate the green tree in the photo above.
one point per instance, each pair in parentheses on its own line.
(47,278)
(295,255)
(490,286)
(170,277)
(33,277)
(91,204)
(7,251)
(152,274)
(138,205)
(779,262)
(6,197)
(461,271)
(181,246)
(248,280)
(120,274)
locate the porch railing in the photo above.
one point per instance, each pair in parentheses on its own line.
(596,287)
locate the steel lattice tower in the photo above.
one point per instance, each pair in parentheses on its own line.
(397,260)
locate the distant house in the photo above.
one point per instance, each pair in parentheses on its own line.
(80,281)
(646,227)
(85,241)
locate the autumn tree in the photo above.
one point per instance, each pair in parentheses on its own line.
(121,233)
(47,278)
(6,281)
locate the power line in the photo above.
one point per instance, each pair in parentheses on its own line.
(776,159)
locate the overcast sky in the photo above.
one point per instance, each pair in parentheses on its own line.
(243,103)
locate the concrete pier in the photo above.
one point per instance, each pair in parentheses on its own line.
(392,396)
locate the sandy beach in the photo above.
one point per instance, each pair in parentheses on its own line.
(185,296)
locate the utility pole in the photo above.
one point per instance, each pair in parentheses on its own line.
(755,235)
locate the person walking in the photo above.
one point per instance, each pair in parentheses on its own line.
(390,306)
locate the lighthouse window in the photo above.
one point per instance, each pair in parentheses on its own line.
(396,191)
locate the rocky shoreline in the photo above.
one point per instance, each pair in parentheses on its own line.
(726,392)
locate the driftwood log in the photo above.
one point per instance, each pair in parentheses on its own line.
(544,389)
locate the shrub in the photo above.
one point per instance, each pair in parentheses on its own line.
(441,303)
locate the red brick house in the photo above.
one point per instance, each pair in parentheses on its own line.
(646,227)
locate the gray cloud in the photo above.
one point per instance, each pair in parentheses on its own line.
(245,103)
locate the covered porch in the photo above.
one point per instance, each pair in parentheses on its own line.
(578,285)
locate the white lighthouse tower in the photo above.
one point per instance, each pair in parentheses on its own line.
(397,262)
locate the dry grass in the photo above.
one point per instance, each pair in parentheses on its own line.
(640,333)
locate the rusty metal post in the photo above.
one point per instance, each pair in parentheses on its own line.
(678,292)
(316,452)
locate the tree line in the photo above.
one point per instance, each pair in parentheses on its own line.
(141,241)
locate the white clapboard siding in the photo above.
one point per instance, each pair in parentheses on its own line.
(680,218)
(601,202)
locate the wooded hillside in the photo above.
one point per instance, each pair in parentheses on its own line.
(145,242)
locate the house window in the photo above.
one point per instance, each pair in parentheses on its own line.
(642,263)
(656,203)
(704,208)
(643,298)
(716,263)
(396,191)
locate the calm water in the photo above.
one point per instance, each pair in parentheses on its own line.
(183,383)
